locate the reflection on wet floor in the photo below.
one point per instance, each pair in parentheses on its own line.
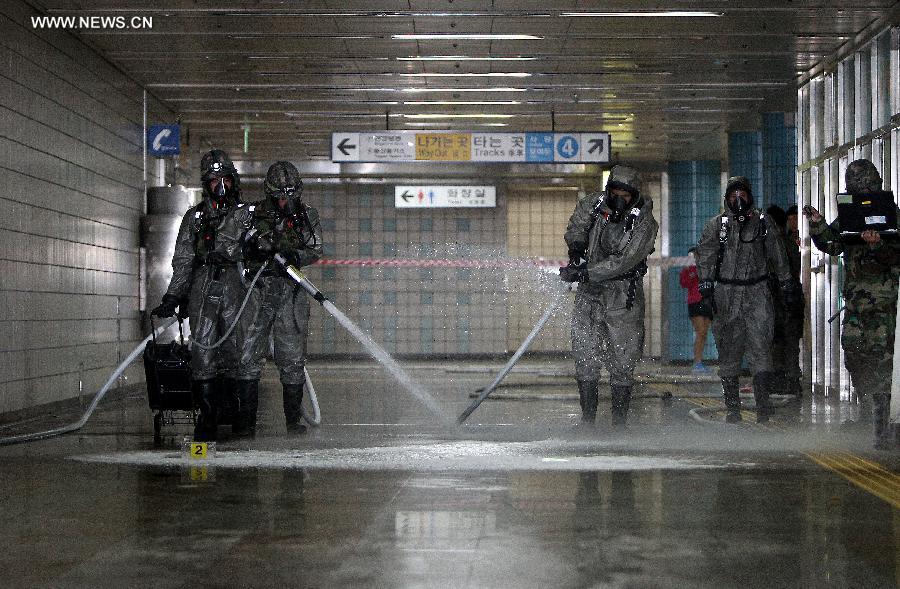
(380,496)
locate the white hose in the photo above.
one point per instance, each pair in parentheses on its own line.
(526,343)
(316,418)
(236,317)
(97,398)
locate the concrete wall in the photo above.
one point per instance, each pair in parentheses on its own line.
(70,205)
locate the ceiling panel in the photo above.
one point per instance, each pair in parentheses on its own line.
(294,72)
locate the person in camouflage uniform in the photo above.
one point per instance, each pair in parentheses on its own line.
(613,232)
(201,278)
(253,234)
(788,319)
(871,274)
(735,254)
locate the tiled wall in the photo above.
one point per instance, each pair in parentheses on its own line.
(70,205)
(695,196)
(779,159)
(439,309)
(768,158)
(745,158)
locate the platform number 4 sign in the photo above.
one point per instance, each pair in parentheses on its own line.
(566,147)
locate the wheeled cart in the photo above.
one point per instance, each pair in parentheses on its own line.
(168,372)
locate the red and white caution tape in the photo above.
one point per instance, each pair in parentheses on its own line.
(496,263)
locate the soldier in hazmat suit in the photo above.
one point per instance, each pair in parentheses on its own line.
(609,237)
(871,273)
(211,290)
(253,234)
(735,254)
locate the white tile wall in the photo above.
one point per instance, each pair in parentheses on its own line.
(70,207)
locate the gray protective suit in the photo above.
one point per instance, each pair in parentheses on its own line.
(608,320)
(213,290)
(744,311)
(277,303)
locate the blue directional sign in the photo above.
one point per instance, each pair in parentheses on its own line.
(568,147)
(539,147)
(164,140)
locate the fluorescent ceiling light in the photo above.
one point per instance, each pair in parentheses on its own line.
(465,36)
(661,13)
(421,90)
(455,116)
(469,75)
(445,124)
(463,58)
(467,102)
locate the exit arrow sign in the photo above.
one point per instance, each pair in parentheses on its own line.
(345,147)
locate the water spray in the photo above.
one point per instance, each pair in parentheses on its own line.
(512,361)
(363,338)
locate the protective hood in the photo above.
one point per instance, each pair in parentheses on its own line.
(216,164)
(862,177)
(740,208)
(622,178)
(283,182)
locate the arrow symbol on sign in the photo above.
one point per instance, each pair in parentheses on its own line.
(406,196)
(595,145)
(344,147)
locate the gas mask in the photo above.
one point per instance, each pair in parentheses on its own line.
(292,194)
(219,191)
(739,207)
(617,204)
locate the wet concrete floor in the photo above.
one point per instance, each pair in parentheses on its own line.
(383,496)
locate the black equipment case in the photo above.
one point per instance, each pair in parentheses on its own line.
(875,211)
(168,371)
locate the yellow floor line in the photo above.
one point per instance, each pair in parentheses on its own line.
(879,477)
(872,467)
(865,474)
(892,497)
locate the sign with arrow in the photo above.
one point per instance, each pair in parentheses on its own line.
(345,147)
(595,147)
(470,147)
(425,197)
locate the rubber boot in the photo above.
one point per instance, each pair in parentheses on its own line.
(206,396)
(621,399)
(292,398)
(588,394)
(229,400)
(761,383)
(244,425)
(731,392)
(881,410)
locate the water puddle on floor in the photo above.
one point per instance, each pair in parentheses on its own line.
(449,456)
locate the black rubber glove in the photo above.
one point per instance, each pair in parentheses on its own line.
(292,256)
(576,253)
(259,242)
(167,308)
(707,289)
(573,274)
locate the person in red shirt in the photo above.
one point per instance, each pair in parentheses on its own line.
(699,311)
